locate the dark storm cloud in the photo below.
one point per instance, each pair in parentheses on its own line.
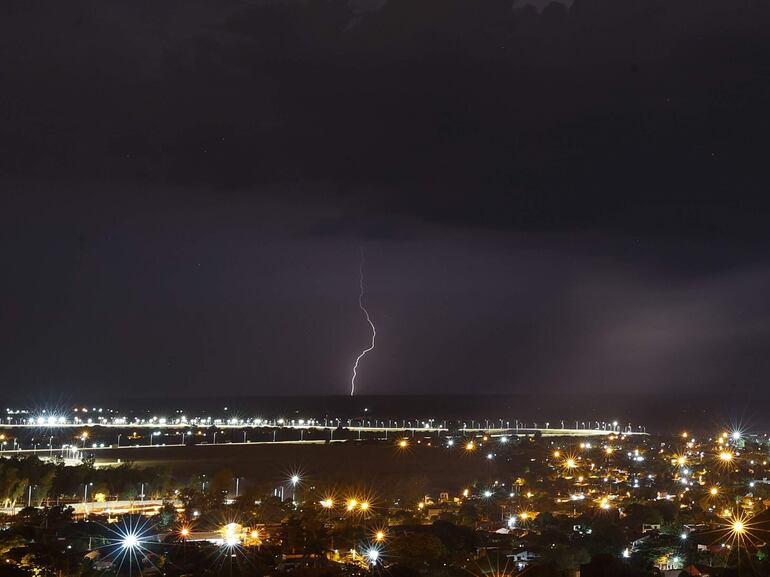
(549,196)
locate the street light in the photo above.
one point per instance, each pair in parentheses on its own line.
(85,497)
(130,541)
(295,480)
(372,555)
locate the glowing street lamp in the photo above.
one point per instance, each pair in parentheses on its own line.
(130,541)
(372,555)
(231,541)
(231,537)
(294,480)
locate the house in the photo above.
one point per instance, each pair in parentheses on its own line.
(636,543)
(522,558)
(669,563)
(694,570)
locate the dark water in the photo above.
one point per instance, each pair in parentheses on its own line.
(658,413)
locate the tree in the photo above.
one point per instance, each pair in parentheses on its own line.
(167,516)
(468,514)
(221,484)
(418,551)
(9,541)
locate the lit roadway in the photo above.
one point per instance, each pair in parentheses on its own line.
(487,426)
(437,430)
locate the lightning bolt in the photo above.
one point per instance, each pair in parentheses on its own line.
(368,320)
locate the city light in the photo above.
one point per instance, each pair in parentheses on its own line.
(726,456)
(740,529)
(127,548)
(597,482)
(372,554)
(231,537)
(130,541)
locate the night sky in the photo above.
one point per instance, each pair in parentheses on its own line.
(550,197)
